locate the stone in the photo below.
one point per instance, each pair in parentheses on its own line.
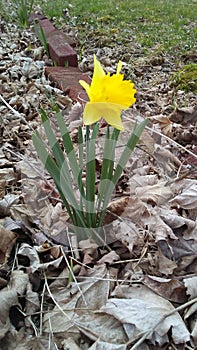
(67,79)
(60,51)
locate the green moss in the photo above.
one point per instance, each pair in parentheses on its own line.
(186,78)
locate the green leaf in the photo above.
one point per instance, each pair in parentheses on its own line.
(107,165)
(131,143)
(62,182)
(91,175)
(42,37)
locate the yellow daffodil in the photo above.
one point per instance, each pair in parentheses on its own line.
(109,95)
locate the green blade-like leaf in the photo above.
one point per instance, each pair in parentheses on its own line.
(108,164)
(50,166)
(131,143)
(73,162)
(42,37)
(91,174)
(63,185)
(69,148)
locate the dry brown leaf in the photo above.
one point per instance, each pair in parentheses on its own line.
(9,297)
(69,344)
(187,199)
(100,345)
(166,160)
(157,194)
(126,232)
(7,241)
(89,250)
(184,115)
(174,220)
(165,265)
(114,209)
(171,289)
(35,264)
(156,225)
(164,123)
(142,311)
(6,203)
(191,286)
(142,181)
(109,258)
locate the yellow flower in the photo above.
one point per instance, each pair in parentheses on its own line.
(109,96)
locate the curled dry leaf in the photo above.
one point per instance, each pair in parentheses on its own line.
(166,160)
(165,265)
(127,232)
(164,123)
(115,209)
(141,181)
(6,203)
(156,225)
(35,264)
(184,115)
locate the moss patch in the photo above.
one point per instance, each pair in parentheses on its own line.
(186,78)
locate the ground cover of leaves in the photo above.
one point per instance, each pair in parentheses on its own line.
(139,291)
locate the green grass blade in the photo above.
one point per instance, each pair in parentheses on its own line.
(42,37)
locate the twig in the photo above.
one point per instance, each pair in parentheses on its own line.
(74,278)
(41,308)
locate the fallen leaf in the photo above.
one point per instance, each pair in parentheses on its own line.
(109,258)
(157,194)
(143,312)
(171,289)
(187,199)
(9,297)
(7,241)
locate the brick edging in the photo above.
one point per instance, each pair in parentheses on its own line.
(65,74)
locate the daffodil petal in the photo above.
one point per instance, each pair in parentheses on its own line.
(85,85)
(119,67)
(91,114)
(113,115)
(98,70)
(109,111)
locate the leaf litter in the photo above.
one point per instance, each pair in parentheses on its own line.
(139,290)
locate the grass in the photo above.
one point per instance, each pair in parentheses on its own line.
(170,24)
(186,78)
(138,24)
